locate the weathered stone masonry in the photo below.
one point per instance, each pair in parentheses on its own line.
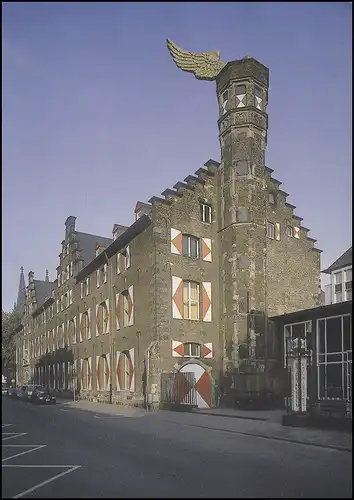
(116,317)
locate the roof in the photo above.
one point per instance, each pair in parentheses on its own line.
(88,244)
(43,291)
(343,261)
(315,312)
(134,230)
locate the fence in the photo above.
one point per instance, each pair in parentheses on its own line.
(178,388)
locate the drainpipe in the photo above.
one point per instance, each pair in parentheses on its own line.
(111,325)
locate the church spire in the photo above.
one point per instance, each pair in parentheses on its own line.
(21,297)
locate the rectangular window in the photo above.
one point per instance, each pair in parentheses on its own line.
(240,89)
(271,198)
(270,230)
(190,300)
(190,246)
(289,231)
(205,213)
(348,284)
(338,287)
(191,350)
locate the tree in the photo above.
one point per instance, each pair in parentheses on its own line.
(9,322)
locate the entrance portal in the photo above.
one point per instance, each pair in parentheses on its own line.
(202,384)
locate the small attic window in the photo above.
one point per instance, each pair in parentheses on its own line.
(99,250)
(271,198)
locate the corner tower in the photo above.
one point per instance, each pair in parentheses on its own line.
(242,92)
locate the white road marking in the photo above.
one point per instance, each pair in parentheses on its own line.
(6,425)
(72,468)
(14,435)
(36,447)
(95,416)
(62,409)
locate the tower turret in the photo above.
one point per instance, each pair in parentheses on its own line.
(21,296)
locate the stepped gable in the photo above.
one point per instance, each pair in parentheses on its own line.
(304,229)
(190,182)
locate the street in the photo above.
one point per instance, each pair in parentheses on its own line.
(65,452)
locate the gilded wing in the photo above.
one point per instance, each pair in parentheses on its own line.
(204,66)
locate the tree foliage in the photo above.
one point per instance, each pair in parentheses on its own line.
(10,320)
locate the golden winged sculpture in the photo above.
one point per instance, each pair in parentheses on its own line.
(204,66)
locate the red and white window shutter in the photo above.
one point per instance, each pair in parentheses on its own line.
(177,349)
(177,297)
(81,290)
(277,231)
(118,381)
(105,273)
(97,319)
(131,371)
(207,350)
(176,241)
(89,323)
(127,257)
(206,249)
(81,326)
(98,373)
(118,263)
(206,301)
(296,232)
(89,374)
(118,307)
(107,372)
(130,306)
(107,316)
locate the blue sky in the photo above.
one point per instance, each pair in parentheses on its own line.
(96,116)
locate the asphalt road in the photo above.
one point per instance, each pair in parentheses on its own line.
(87,455)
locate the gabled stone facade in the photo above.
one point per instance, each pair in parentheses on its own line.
(189,286)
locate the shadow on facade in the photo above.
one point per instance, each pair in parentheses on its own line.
(55,370)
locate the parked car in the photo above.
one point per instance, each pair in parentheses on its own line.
(4,390)
(13,392)
(42,395)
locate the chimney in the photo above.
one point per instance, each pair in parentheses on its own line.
(69,226)
(118,230)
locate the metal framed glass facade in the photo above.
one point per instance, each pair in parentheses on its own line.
(334,357)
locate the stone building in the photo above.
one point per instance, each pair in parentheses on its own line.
(189,286)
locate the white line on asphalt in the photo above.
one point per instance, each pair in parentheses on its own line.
(95,416)
(42,466)
(6,425)
(36,447)
(63,409)
(73,467)
(15,435)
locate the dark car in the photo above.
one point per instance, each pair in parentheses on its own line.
(13,392)
(42,395)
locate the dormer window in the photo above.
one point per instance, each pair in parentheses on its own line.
(240,92)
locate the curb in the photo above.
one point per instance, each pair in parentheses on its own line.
(276,438)
(262,419)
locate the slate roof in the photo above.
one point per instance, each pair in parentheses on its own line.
(343,261)
(43,291)
(88,243)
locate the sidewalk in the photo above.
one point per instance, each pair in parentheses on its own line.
(113,409)
(270,428)
(261,415)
